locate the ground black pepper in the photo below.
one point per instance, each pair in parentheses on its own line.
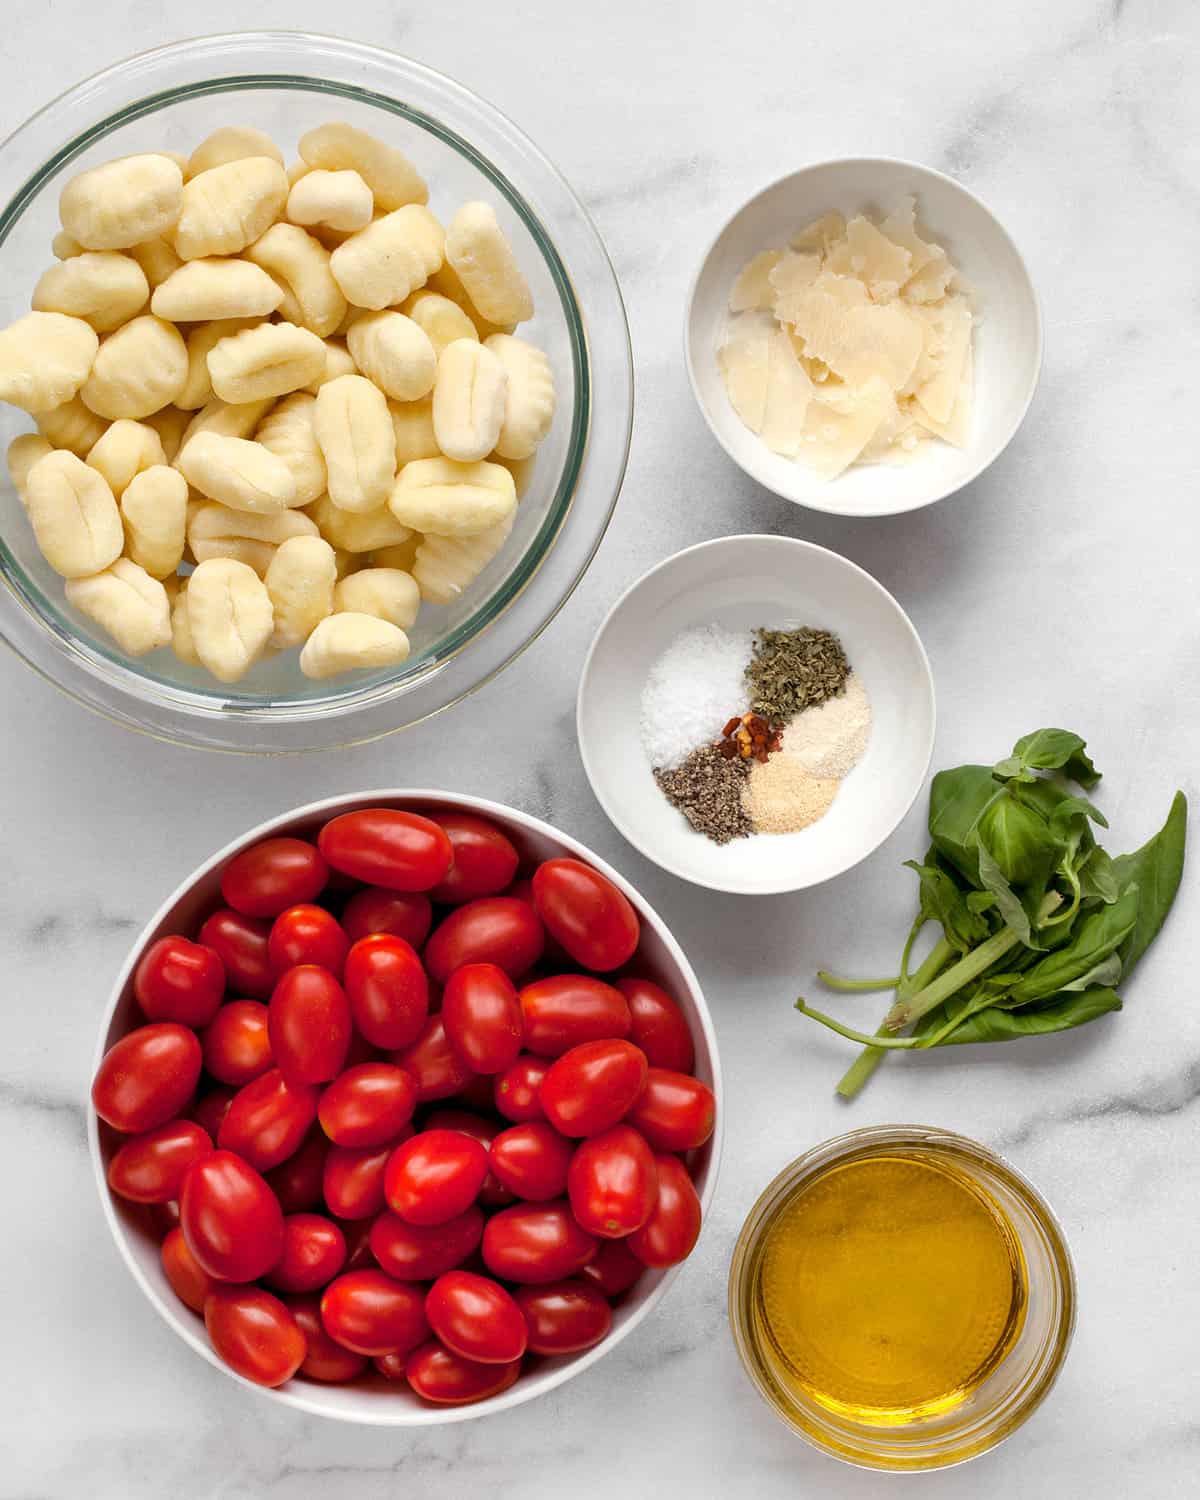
(794,669)
(707,790)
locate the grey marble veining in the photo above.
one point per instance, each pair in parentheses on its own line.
(1061,588)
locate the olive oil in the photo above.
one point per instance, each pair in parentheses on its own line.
(889,1287)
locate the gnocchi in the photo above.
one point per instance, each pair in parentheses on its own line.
(291,379)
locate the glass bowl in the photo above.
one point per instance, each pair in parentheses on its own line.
(1008,1394)
(285,83)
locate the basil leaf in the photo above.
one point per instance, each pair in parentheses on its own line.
(1019,840)
(944,902)
(1098,876)
(1008,903)
(996,1025)
(1156,869)
(1098,934)
(1106,972)
(1050,750)
(1067,814)
(956,800)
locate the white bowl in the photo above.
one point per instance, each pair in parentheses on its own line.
(1007,347)
(373,1400)
(740,582)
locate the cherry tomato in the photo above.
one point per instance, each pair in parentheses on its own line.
(419,1252)
(435,1176)
(670,1233)
(325,1359)
(659,1027)
(482,1017)
(150,1168)
(307,935)
(566,1010)
(267,878)
(492,930)
(613,1269)
(210,1109)
(237,1045)
(531,1160)
(391,1367)
(147,1077)
(297,1181)
(254,1333)
(230,1218)
(586,913)
(309,1025)
(493,1192)
(591,1087)
(268,1120)
(438,1375)
(431,1061)
(536,1242)
(314,1251)
(484,860)
(404,914)
(373,1314)
(179,981)
(518,1088)
(368,1105)
(475,1317)
(242,944)
(675,1112)
(400,851)
(565,1317)
(190,1283)
(354,1179)
(387,989)
(612,1183)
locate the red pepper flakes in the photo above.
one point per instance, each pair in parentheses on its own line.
(749,736)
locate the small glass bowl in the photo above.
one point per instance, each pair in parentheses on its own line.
(285,83)
(1004,1399)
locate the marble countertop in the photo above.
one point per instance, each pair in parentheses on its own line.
(1060,588)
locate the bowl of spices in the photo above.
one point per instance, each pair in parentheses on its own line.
(756,714)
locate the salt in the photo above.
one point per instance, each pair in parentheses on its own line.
(692,691)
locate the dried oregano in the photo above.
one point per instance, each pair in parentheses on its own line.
(794,669)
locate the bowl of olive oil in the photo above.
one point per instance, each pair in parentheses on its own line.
(902,1297)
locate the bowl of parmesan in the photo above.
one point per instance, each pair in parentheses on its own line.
(863,337)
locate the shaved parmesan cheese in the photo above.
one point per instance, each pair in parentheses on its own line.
(952,325)
(743,365)
(931,282)
(856,343)
(753,287)
(820,234)
(872,258)
(957,430)
(832,440)
(900,227)
(789,395)
(790,274)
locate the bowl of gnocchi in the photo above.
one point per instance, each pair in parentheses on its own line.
(317,392)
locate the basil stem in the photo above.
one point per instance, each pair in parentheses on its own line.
(853,986)
(860,1070)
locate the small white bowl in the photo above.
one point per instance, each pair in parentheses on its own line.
(740,582)
(1007,347)
(372,1400)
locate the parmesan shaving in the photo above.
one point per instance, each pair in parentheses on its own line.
(753,286)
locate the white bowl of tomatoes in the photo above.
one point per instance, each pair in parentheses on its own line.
(406,1108)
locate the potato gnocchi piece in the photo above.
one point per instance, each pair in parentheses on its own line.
(445,498)
(480,253)
(300,264)
(231,143)
(261,363)
(354,430)
(103,287)
(300,580)
(444,321)
(239,473)
(44,359)
(351,642)
(122,202)
(63,246)
(229,615)
(154,509)
(392,178)
(127,603)
(445,566)
(141,367)
(226,208)
(23,452)
(400,556)
(338,200)
(157,259)
(214,530)
(356,532)
(203,290)
(123,450)
(446,282)
(529,404)
(230,419)
(395,353)
(393,256)
(181,626)
(469,401)
(201,341)
(74,515)
(72,426)
(170,423)
(412,426)
(387,593)
(338,361)
(289,432)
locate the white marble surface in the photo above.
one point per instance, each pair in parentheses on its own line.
(1060,588)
